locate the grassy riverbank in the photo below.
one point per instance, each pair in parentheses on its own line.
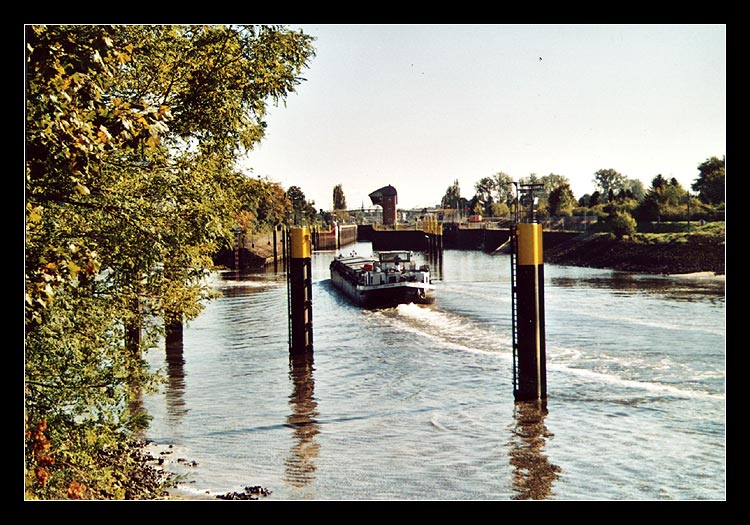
(702,249)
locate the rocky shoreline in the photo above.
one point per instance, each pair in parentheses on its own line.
(166,466)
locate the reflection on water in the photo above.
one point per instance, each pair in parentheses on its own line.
(674,289)
(533,474)
(175,390)
(435,261)
(300,466)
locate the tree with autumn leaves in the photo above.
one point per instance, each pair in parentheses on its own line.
(132,136)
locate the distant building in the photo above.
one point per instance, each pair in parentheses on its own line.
(386,197)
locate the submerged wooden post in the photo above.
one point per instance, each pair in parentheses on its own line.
(275,251)
(299,286)
(237,245)
(285,247)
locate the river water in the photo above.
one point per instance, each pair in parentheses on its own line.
(416,402)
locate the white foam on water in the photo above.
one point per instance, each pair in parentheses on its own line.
(450,331)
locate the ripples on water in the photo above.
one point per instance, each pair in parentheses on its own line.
(416,402)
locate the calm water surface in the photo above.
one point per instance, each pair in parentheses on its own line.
(416,402)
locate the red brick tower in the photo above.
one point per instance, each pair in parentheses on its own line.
(386,197)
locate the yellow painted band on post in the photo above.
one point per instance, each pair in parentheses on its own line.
(529,243)
(300,242)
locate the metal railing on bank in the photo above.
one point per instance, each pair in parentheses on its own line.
(571,223)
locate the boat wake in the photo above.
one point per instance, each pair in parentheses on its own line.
(446,329)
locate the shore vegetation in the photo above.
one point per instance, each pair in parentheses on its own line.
(131,185)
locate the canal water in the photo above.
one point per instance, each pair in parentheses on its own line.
(416,402)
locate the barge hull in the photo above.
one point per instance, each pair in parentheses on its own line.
(386,296)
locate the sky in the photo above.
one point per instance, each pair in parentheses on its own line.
(421,106)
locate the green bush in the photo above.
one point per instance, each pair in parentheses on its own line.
(623,224)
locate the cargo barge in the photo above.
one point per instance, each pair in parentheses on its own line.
(390,279)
